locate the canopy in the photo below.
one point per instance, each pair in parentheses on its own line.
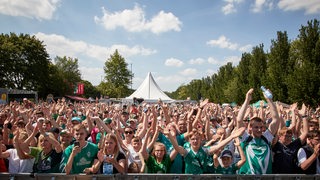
(149,91)
(76,98)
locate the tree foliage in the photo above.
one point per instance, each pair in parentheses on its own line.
(290,70)
(68,69)
(24,62)
(117,77)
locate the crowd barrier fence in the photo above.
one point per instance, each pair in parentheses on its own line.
(59,176)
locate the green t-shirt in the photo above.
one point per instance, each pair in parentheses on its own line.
(196,163)
(227,170)
(45,164)
(84,159)
(154,167)
(258,156)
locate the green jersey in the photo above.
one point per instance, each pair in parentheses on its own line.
(258,155)
(45,163)
(84,159)
(154,167)
(196,162)
(227,170)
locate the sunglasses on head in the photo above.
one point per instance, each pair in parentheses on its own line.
(128,132)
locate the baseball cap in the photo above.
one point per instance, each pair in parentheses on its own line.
(226,153)
(76,119)
(55,130)
(107,120)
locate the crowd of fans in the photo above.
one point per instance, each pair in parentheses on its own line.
(191,138)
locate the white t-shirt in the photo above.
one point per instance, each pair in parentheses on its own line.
(134,157)
(17,165)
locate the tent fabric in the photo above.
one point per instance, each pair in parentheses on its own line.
(149,91)
(77,98)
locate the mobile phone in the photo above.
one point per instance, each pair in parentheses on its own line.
(77,143)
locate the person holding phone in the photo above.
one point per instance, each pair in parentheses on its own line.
(110,160)
(80,155)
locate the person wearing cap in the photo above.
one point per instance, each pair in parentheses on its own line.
(227,166)
(132,123)
(55,131)
(65,138)
(107,122)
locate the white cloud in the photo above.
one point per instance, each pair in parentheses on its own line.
(198,61)
(245,48)
(260,5)
(212,60)
(133,20)
(233,59)
(188,72)
(174,62)
(310,6)
(228,9)
(223,42)
(230,6)
(58,45)
(93,75)
(43,9)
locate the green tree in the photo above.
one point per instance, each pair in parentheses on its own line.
(24,63)
(304,81)
(90,90)
(117,77)
(257,69)
(242,77)
(277,70)
(68,68)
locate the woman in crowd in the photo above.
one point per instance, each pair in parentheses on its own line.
(110,160)
(48,153)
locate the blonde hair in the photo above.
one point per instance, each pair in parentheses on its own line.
(159,144)
(41,137)
(115,139)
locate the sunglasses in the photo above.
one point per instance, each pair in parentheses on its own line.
(128,132)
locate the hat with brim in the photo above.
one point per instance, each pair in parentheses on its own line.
(226,153)
(55,130)
(64,132)
(76,119)
(21,122)
(131,120)
(107,120)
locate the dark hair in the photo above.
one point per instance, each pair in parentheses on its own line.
(254,120)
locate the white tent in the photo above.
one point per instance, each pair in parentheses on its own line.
(149,91)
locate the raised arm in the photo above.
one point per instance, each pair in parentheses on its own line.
(240,150)
(274,125)
(143,151)
(243,108)
(143,131)
(303,135)
(234,134)
(174,143)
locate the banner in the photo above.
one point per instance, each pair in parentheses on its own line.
(80,89)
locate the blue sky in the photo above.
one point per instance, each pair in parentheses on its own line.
(177,41)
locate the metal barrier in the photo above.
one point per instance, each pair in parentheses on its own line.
(59,176)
